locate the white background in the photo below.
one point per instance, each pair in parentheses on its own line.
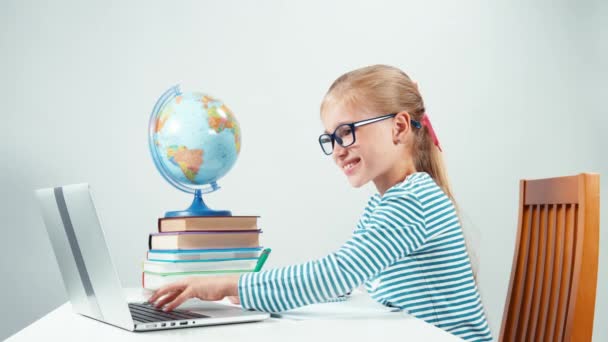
(515,89)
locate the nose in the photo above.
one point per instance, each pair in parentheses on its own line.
(339,152)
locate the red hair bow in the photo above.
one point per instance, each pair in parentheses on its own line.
(426,122)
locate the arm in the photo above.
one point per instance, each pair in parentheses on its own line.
(396,229)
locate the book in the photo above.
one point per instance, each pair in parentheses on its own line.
(241,265)
(206,223)
(204,240)
(200,254)
(153,281)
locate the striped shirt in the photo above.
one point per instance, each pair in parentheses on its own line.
(408,250)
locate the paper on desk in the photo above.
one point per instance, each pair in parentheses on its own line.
(359,305)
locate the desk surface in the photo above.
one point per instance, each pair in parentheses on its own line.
(62,324)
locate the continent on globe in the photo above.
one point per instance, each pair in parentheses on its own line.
(189,161)
(220,122)
(206,100)
(162,118)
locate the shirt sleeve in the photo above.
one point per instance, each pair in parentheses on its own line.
(395,229)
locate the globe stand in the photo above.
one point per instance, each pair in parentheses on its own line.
(198,208)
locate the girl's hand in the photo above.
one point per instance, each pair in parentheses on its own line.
(206,288)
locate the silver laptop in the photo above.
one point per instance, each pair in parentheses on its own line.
(91,280)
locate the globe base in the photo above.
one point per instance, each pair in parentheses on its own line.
(188,212)
(198,208)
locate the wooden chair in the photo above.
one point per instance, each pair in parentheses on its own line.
(554,276)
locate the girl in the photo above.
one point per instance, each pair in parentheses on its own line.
(408,247)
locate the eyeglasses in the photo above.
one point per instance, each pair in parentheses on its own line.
(344,134)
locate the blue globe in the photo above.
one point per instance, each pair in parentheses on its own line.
(194,140)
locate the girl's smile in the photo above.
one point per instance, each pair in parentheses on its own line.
(350,166)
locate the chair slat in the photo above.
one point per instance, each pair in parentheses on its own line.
(549,276)
(540,272)
(559,268)
(564,293)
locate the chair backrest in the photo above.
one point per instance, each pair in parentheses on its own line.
(554,275)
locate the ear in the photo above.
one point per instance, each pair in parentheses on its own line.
(401,127)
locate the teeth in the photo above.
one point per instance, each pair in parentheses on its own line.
(349,166)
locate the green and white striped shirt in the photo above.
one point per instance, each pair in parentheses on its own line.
(409,251)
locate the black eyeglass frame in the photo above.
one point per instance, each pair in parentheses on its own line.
(354,125)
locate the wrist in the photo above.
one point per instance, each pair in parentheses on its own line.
(233,285)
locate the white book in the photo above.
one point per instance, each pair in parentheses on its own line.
(240,265)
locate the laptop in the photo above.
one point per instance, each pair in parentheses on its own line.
(91,280)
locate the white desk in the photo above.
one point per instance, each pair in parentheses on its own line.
(64,325)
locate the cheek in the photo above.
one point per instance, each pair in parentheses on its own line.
(364,144)
(374,139)
(373,146)
(378,156)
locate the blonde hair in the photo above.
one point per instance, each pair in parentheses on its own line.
(385,89)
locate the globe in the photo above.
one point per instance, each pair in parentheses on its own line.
(194,141)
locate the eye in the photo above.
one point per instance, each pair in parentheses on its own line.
(343,131)
(325,139)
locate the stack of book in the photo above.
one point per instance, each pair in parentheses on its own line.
(200,246)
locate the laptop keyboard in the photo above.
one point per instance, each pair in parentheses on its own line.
(146,312)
